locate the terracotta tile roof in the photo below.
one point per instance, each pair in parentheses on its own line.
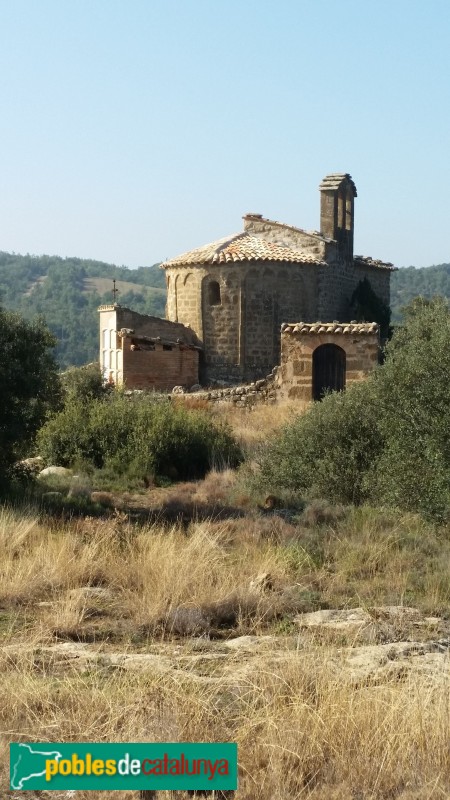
(330,327)
(368,261)
(241,247)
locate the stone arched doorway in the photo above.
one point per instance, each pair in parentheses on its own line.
(328,369)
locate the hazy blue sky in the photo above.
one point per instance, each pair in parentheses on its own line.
(132,130)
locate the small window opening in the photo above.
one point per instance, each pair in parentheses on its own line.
(214,294)
(348,213)
(341,211)
(167,347)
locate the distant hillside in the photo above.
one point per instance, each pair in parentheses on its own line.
(67,291)
(410,282)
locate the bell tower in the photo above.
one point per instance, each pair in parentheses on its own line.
(337,204)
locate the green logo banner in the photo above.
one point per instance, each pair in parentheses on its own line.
(83,765)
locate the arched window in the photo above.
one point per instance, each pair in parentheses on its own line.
(328,370)
(214,293)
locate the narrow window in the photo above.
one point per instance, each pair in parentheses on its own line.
(341,211)
(348,212)
(214,294)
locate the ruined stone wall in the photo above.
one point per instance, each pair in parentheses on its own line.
(160,369)
(144,325)
(295,374)
(247,395)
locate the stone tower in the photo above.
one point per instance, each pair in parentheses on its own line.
(337,204)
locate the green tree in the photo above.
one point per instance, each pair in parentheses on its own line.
(386,440)
(413,398)
(29,386)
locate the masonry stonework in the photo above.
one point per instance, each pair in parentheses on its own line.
(236,293)
(233,308)
(296,377)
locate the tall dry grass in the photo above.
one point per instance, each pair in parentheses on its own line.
(252,425)
(109,579)
(301,731)
(303,728)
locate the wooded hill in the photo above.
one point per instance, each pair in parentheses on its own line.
(67,292)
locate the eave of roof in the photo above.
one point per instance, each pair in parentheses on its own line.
(368,261)
(330,327)
(241,247)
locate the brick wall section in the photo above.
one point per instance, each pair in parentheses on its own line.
(159,369)
(295,374)
(146,369)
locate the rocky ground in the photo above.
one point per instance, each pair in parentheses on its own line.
(362,646)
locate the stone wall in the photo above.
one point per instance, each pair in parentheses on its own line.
(339,279)
(306,241)
(246,395)
(241,333)
(360,342)
(145,325)
(239,324)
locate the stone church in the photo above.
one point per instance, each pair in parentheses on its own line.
(273,294)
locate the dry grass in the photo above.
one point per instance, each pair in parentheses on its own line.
(109,579)
(253,425)
(302,730)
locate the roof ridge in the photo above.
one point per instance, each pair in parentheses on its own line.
(225,242)
(260,218)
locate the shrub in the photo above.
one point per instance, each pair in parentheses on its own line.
(326,452)
(84,383)
(137,437)
(386,440)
